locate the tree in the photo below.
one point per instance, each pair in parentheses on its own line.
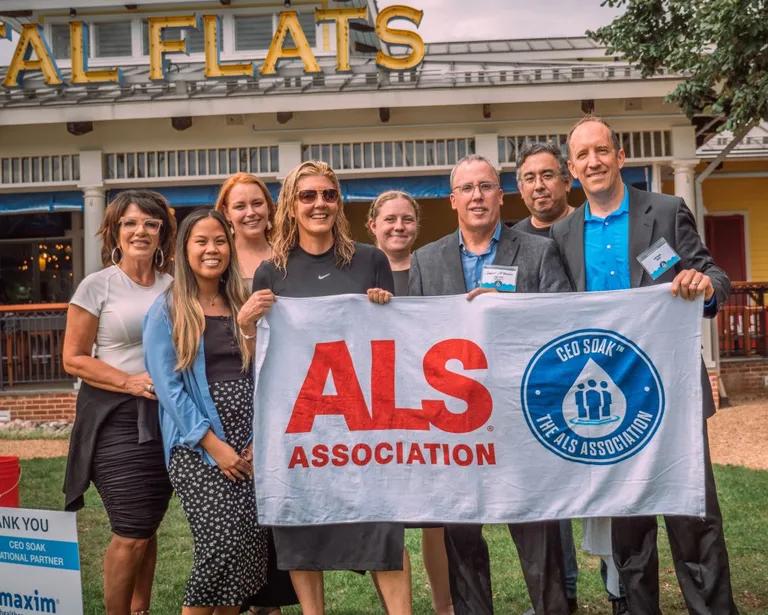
(719,47)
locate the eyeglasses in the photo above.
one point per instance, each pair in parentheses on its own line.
(151,225)
(330,195)
(485,188)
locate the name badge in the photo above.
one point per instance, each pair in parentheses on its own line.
(658,259)
(503,279)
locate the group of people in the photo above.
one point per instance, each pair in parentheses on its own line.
(165,403)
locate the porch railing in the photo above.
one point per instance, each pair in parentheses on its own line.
(31,338)
(742,321)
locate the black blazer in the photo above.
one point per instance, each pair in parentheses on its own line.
(651,216)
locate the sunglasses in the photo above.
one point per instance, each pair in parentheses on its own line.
(331,195)
(151,225)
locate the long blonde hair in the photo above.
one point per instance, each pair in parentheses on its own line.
(285,234)
(187,317)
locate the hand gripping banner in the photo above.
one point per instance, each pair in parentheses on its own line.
(508,408)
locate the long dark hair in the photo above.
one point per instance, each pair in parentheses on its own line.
(186,312)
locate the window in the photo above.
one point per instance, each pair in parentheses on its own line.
(112,39)
(253,32)
(193,36)
(307,21)
(256,31)
(60,41)
(33,271)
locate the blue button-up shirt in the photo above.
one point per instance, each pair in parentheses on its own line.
(606,248)
(473,264)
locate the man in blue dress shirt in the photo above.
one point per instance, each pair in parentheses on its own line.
(454,265)
(600,243)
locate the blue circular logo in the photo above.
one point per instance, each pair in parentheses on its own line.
(592,396)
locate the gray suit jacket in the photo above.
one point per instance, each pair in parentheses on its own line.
(651,216)
(436,268)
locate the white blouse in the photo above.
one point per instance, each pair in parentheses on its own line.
(120,305)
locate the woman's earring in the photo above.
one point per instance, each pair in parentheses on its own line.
(114,258)
(159,252)
(269,225)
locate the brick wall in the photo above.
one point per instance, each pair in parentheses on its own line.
(745,377)
(715,388)
(40,406)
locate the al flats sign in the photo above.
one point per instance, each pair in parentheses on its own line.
(33,54)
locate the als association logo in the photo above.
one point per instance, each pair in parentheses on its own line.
(592,396)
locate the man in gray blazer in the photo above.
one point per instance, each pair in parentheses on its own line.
(454,265)
(600,243)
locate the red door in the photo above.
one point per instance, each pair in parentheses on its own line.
(725,240)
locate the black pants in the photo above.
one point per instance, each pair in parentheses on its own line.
(698,551)
(541,558)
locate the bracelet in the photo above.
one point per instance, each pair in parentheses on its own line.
(246,336)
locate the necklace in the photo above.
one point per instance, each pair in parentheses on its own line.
(212,300)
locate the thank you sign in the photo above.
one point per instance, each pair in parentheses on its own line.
(39,563)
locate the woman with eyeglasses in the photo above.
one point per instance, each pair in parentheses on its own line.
(116,440)
(313,255)
(200,363)
(393,223)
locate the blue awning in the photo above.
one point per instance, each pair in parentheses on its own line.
(438,186)
(41,202)
(193,196)
(354,190)
(420,187)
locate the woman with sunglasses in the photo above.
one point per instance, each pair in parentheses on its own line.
(200,364)
(116,441)
(393,224)
(246,203)
(314,255)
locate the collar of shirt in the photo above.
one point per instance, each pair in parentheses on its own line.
(623,209)
(491,245)
(606,248)
(473,264)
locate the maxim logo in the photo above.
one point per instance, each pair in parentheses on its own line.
(30,602)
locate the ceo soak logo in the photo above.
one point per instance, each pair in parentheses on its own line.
(592,396)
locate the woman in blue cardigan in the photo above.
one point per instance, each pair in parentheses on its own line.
(199,360)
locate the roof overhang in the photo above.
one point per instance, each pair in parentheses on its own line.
(332,100)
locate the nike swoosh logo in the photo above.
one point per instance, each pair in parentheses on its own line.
(322,277)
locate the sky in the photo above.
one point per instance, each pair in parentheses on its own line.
(447,20)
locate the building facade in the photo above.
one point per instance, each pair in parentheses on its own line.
(66,149)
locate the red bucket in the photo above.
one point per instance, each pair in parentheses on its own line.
(10,477)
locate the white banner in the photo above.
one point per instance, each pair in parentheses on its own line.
(508,408)
(39,562)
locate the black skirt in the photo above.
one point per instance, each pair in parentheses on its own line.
(348,546)
(114,445)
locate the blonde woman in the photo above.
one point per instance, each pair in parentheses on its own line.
(314,255)
(115,440)
(199,360)
(393,223)
(246,203)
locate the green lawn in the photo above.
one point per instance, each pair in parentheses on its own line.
(743,497)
